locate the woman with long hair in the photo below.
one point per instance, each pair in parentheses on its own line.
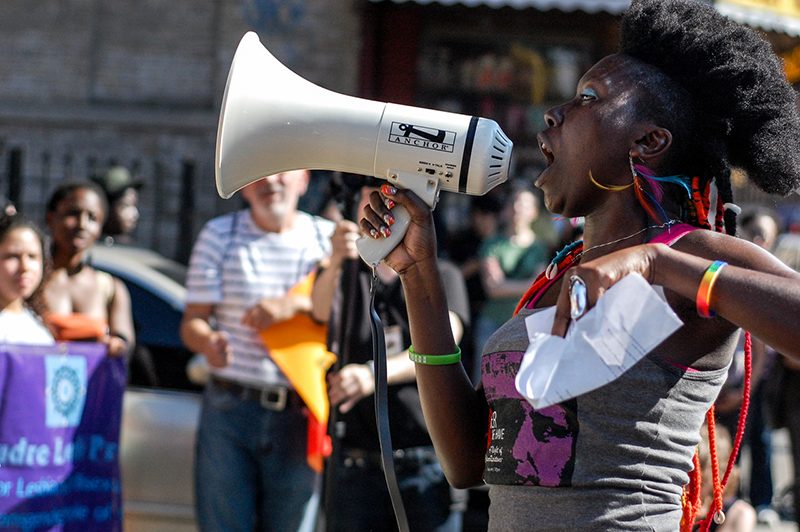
(21,271)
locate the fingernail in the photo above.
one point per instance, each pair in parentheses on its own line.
(373,233)
(388,190)
(385,231)
(388,218)
(389,203)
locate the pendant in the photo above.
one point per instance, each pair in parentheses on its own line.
(551,271)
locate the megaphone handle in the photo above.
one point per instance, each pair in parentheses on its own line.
(373,250)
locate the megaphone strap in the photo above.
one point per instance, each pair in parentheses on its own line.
(382,408)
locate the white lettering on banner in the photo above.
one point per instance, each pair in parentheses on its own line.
(49,486)
(102,450)
(23,453)
(65,453)
(28,454)
(37,487)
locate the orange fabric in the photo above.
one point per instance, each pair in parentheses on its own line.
(76,327)
(319,444)
(298,346)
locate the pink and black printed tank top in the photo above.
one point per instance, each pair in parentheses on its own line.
(615,458)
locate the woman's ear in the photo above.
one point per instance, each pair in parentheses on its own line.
(652,145)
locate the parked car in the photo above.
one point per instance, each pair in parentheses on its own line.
(161,406)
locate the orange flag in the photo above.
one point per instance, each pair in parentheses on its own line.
(299,348)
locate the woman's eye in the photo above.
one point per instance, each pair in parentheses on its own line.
(587,95)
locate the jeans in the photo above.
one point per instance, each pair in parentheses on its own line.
(250,466)
(361,499)
(759,437)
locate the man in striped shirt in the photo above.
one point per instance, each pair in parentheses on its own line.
(250,465)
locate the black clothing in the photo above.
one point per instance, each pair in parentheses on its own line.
(405,412)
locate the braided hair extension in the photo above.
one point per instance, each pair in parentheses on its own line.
(720,90)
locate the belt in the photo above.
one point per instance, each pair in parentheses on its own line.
(270,396)
(411,456)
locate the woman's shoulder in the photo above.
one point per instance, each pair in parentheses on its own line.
(733,250)
(106,284)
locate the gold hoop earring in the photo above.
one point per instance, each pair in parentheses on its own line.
(610,188)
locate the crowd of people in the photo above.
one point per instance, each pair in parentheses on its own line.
(58,292)
(638,170)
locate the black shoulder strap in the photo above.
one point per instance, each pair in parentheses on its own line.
(231,235)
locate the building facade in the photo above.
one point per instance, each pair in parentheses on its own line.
(89,83)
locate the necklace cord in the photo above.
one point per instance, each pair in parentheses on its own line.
(665,225)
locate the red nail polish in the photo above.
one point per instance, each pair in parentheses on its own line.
(373,233)
(385,231)
(390,203)
(388,190)
(388,218)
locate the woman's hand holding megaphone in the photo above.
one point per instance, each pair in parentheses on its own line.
(419,242)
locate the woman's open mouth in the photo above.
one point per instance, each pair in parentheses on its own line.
(546,152)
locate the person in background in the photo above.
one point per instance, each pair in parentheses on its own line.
(84,304)
(649,134)
(462,248)
(508,260)
(365,504)
(760,226)
(250,462)
(21,273)
(122,196)
(740,516)
(786,378)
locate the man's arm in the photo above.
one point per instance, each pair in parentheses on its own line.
(198,335)
(343,247)
(273,310)
(355,381)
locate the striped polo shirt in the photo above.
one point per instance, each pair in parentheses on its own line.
(234,264)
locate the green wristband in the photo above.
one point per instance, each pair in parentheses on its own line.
(435,360)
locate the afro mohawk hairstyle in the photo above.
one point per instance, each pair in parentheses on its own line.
(743,113)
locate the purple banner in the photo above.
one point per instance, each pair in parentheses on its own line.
(60,410)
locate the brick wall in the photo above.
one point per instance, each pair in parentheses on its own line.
(87,83)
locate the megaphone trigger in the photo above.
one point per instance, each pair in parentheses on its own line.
(374,250)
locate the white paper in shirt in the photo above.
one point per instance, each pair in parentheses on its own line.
(627,322)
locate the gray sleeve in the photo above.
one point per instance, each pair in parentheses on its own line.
(456,290)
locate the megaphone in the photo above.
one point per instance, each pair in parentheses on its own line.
(273,120)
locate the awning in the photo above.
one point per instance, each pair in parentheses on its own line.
(781,17)
(614,7)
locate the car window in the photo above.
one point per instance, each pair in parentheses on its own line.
(173,270)
(159,358)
